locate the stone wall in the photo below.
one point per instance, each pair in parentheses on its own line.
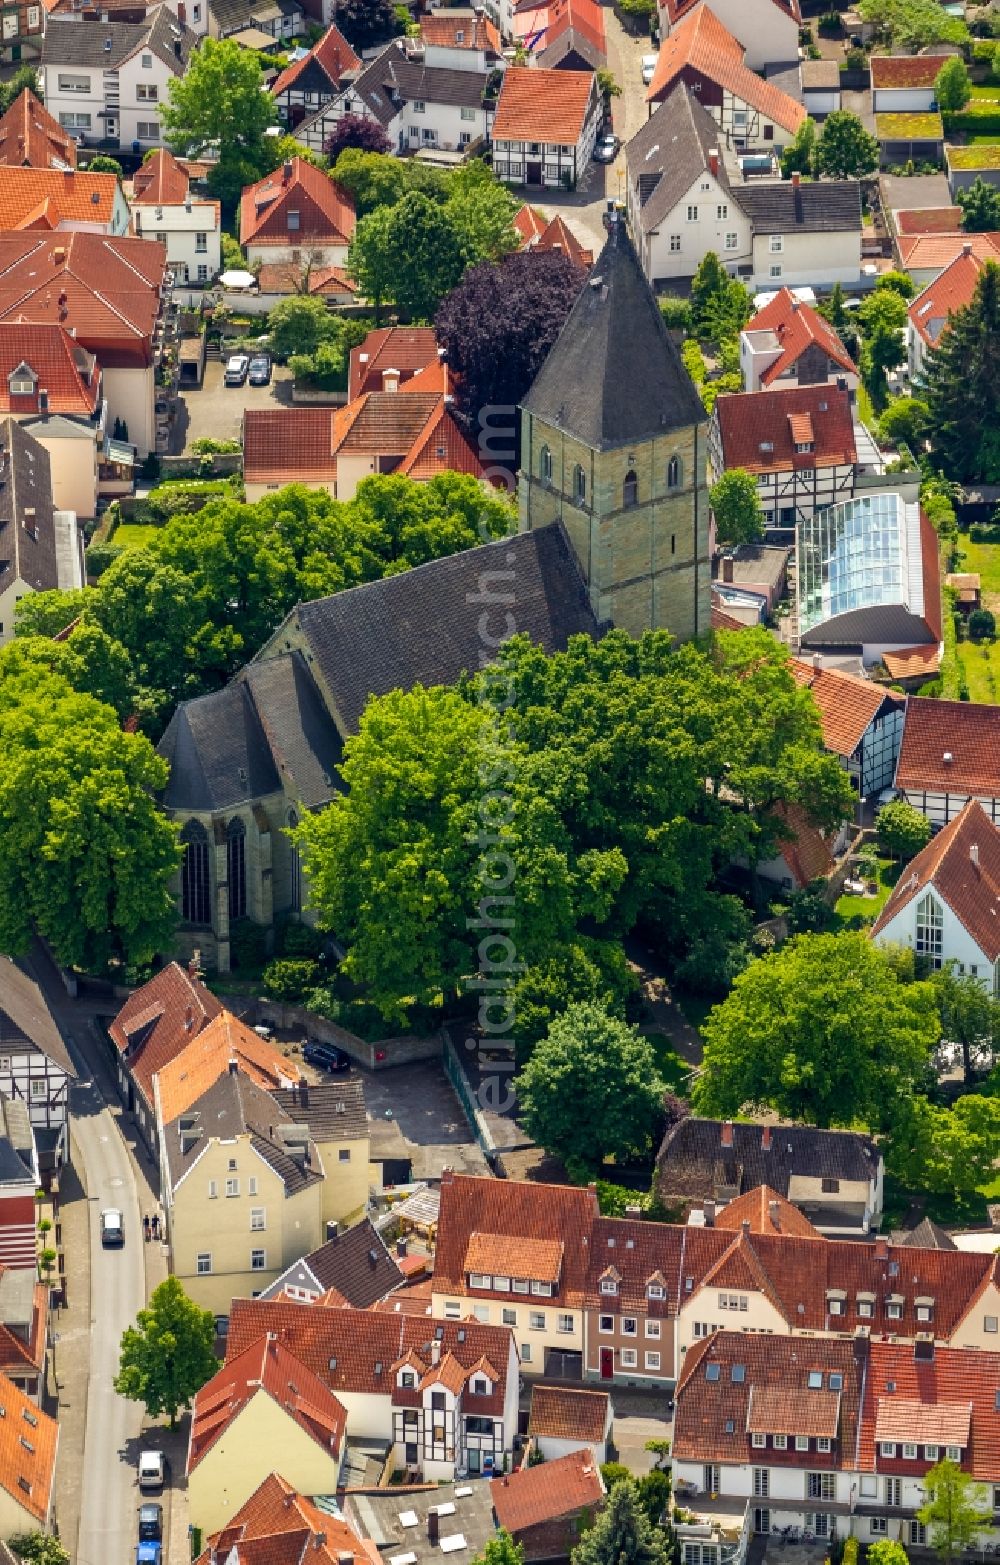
(382,1054)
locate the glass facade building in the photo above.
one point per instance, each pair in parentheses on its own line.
(862,553)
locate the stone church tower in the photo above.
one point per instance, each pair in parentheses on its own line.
(613,445)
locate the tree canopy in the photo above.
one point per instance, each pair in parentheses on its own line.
(952,88)
(720,305)
(902,830)
(168,1355)
(219,103)
(980,207)
(910,25)
(956,1509)
(735,502)
(962,374)
(622,1534)
(367,22)
(356,130)
(844,149)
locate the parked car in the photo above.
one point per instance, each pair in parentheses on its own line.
(260,370)
(149,1553)
(237,369)
(605,149)
(152,1471)
(649,67)
(112,1229)
(325,1056)
(151,1523)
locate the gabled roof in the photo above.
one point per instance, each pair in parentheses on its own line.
(912,662)
(928,1235)
(325,211)
(29,1440)
(158,1021)
(565,1413)
(952,290)
(758,432)
(806,853)
(455,29)
(925,252)
(906,70)
(536,1495)
(234,1105)
(848,705)
(557,235)
(293,277)
(701,43)
(767,1212)
(536,104)
(950,747)
(31,138)
(355,1264)
(614,375)
(962,865)
(24,1316)
(797,326)
(333,1110)
(269,1369)
(54,362)
(530,224)
(27,524)
(403,348)
(819,207)
(759,1155)
(160,181)
(181,1080)
(278,1526)
(953,1389)
(332,55)
(643,1254)
(70,195)
(678,9)
(671,152)
(25,1017)
(107,45)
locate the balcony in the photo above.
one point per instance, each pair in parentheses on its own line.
(721,1522)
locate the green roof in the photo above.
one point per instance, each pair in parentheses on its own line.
(909,127)
(974,157)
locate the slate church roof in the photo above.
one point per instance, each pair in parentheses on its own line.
(614,375)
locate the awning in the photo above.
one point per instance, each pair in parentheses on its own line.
(121,452)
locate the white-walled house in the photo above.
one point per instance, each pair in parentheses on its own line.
(296,214)
(767,29)
(945,905)
(34,1064)
(799,443)
(164,209)
(927,314)
(545,126)
(788,343)
(43,546)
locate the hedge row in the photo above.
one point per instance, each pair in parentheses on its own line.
(978,533)
(983,121)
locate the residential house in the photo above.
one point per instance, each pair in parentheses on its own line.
(630,1301)
(764,1209)
(334,1114)
(928,313)
(445,1395)
(545,126)
(945,906)
(948,756)
(241,1186)
(803,233)
(35,1067)
(164,209)
(155,1025)
(448,1511)
(29,1442)
(276,280)
(24,1329)
(546,1509)
(926,256)
(105,81)
(804,854)
(927,1235)
(66,200)
(798,443)
(862,722)
(296,213)
(308,83)
(247,760)
(285,1527)
(767,29)
(563,35)
(281,20)
(263,1406)
(353,1266)
(821,94)
(107,293)
(750,111)
(19,1180)
(459,32)
(564,1418)
(31,138)
(840,605)
(408,429)
(43,546)
(555,234)
(788,343)
(757,568)
(418,103)
(398,352)
(180,1079)
(833,1176)
(23,31)
(904,83)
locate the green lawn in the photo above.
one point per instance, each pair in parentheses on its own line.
(988,91)
(981,665)
(981,557)
(855,912)
(669,1064)
(133,535)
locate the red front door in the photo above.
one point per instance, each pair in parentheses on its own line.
(607,1363)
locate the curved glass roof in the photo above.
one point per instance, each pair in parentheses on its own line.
(859,554)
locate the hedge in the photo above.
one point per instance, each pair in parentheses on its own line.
(983,121)
(979,533)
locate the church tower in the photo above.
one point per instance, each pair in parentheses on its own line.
(613,445)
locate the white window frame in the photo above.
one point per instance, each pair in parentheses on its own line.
(203,1264)
(258,1219)
(258,1260)
(628,1358)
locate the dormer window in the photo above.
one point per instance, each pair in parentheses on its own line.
(20,386)
(481,1386)
(609,1286)
(655,1291)
(479,1280)
(925,1309)
(803,446)
(408,1380)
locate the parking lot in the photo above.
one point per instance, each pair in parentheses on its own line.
(215,410)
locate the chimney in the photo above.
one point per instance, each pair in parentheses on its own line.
(304,1093)
(345,1557)
(745,1226)
(726,1133)
(765,1138)
(795,302)
(817,662)
(402,1248)
(59,255)
(390,380)
(772,1212)
(233,1067)
(709,1211)
(795,181)
(727,567)
(433,1526)
(286,173)
(947,758)
(881,1249)
(713,162)
(435,1352)
(974,854)
(967,248)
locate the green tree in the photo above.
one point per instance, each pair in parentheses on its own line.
(902,830)
(88,659)
(622,1534)
(836,312)
(482,213)
(952,87)
(886,1551)
(590,1090)
(799,156)
(883,321)
(955,1511)
(372,179)
(821,1031)
(900,282)
(219,103)
(982,625)
(26,76)
(844,149)
(48,613)
(299,324)
(720,305)
(905,422)
(962,377)
(39,1548)
(654,1494)
(970,1016)
(980,207)
(501,1550)
(911,25)
(735,502)
(105,165)
(368,259)
(423,252)
(168,1355)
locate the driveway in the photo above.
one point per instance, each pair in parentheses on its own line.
(216,411)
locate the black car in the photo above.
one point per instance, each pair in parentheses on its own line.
(325,1056)
(150,1523)
(260,370)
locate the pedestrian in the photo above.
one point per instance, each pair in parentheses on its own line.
(145,1229)
(156,1226)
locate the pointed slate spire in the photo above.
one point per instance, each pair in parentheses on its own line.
(614,376)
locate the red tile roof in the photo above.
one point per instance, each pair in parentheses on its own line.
(334,56)
(952,290)
(29,1440)
(74,196)
(938,1423)
(798,327)
(642,1254)
(924,252)
(19,1354)
(326,212)
(968,735)
(460,32)
(530,224)
(58,364)
(723,621)
(160,181)
(962,863)
(757,431)
(807,855)
(557,235)
(30,137)
(159,1020)
(780,1409)
(912,662)
(952,1379)
(403,348)
(546,23)
(929,220)
(536,104)
(181,1079)
(563,1413)
(906,70)
(288,445)
(540,1494)
(701,43)
(278,1526)
(291,277)
(677,9)
(755,1207)
(847,704)
(268,1368)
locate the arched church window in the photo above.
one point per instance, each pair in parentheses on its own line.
(630,488)
(196,886)
(674,473)
(236,868)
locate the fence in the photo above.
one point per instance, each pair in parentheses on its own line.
(467,1098)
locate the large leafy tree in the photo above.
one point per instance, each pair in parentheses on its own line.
(822,1031)
(980,207)
(220,103)
(952,88)
(622,1534)
(970,1016)
(424,253)
(501,1550)
(720,305)
(902,830)
(39,1548)
(944,1151)
(367,22)
(368,258)
(591,1090)
(910,25)
(844,149)
(168,1355)
(798,156)
(735,502)
(883,348)
(963,386)
(356,130)
(482,211)
(956,1509)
